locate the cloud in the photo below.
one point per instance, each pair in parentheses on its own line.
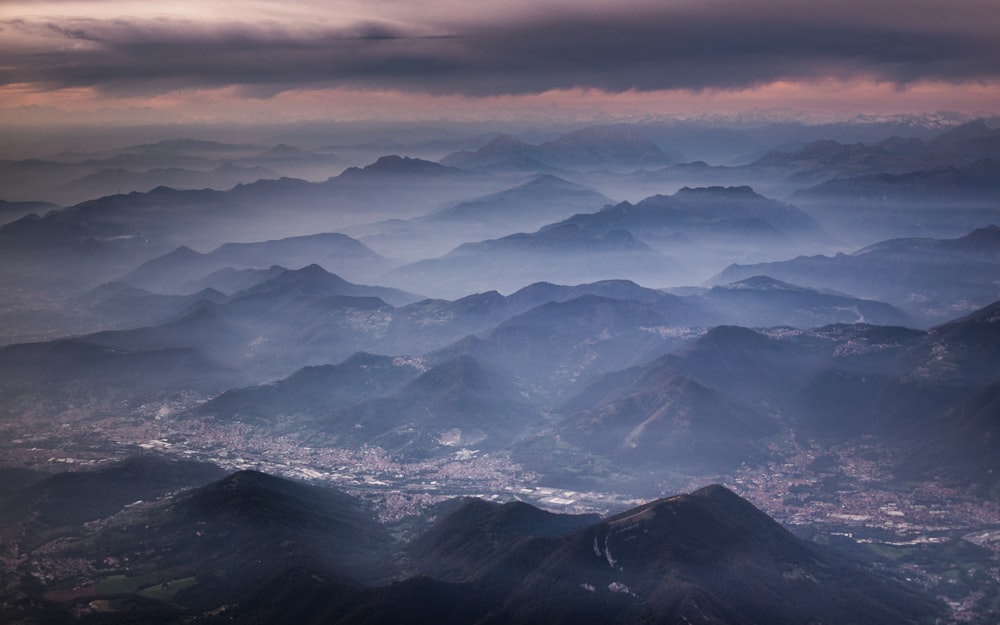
(714,45)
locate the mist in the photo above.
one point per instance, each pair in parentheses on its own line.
(579,317)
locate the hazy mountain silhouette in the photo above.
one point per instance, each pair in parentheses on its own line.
(661,418)
(972,140)
(313,392)
(943,201)
(229,280)
(682,311)
(925,277)
(827,159)
(50,376)
(760,301)
(529,206)
(616,147)
(111,181)
(10,211)
(553,347)
(501,153)
(298,318)
(718,213)
(523,208)
(337,252)
(456,404)
(314,281)
(117,304)
(566,253)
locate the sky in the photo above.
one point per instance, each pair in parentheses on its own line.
(121,61)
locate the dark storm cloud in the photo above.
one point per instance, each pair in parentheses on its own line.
(709,46)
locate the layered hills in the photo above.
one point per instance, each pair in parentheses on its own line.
(338,252)
(562,253)
(928,278)
(256,548)
(597,147)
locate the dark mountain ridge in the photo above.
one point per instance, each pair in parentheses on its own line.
(705,557)
(71,499)
(252,548)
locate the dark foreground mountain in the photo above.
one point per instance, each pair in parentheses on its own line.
(210,547)
(71,499)
(468,542)
(258,549)
(705,557)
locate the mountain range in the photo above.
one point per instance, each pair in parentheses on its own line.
(595,147)
(931,279)
(256,548)
(550,314)
(336,252)
(562,253)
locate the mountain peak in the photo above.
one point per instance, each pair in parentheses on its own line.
(183,252)
(548,181)
(986,238)
(393,164)
(763,283)
(503,143)
(719,494)
(311,279)
(718,192)
(283,149)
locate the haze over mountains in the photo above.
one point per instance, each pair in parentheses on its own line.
(490,360)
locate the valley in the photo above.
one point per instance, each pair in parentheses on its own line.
(509,371)
(847,495)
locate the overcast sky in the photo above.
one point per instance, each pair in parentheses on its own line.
(208,59)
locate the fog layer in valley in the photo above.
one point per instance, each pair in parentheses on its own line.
(312,340)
